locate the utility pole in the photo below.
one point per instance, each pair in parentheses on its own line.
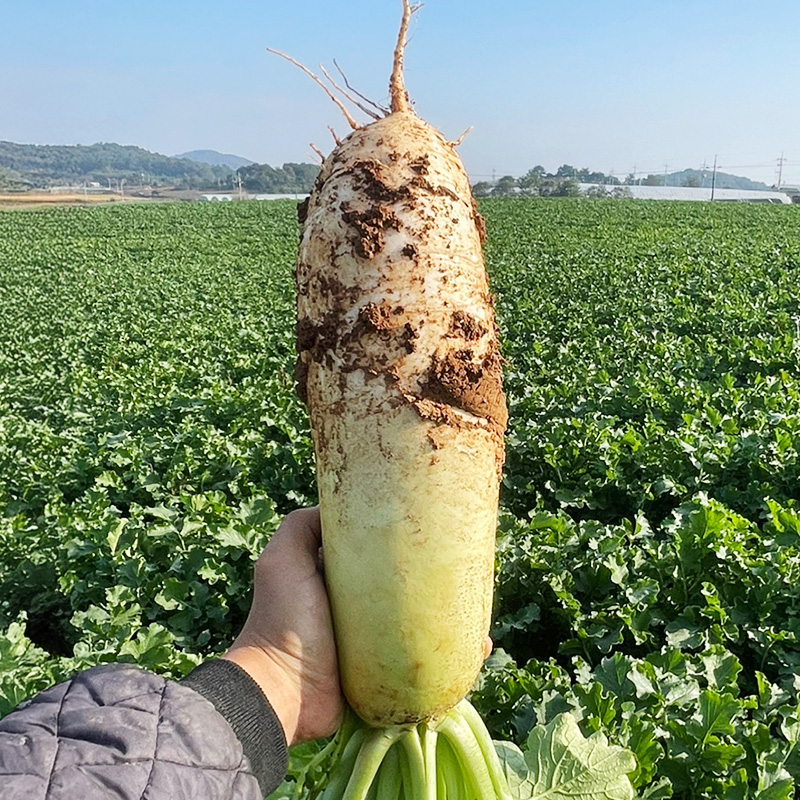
(666,167)
(714,178)
(780,170)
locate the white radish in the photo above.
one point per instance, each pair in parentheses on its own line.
(399,365)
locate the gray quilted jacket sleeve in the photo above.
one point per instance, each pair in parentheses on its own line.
(118,732)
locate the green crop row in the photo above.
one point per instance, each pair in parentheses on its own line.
(649,547)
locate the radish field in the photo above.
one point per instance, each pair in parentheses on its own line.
(648,561)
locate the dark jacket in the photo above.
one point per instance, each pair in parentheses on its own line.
(118,732)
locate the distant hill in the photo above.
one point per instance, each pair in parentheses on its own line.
(216,158)
(698,177)
(40,166)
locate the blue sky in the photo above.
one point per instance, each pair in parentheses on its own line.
(606,84)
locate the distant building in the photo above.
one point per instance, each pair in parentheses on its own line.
(288,196)
(793,192)
(694,193)
(216,197)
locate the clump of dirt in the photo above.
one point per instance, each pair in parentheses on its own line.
(302,211)
(480,222)
(316,338)
(354,346)
(420,165)
(376,316)
(368,179)
(440,413)
(339,296)
(465,325)
(301,380)
(313,342)
(475,386)
(369,225)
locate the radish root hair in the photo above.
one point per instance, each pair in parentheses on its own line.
(340,105)
(397,88)
(368,111)
(461,138)
(384,111)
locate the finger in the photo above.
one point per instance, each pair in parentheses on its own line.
(321,563)
(305,528)
(487,647)
(300,530)
(294,545)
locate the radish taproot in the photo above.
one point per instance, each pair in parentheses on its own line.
(398,362)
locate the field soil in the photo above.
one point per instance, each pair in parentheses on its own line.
(41,198)
(29,199)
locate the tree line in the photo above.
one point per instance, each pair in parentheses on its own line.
(32,166)
(288,179)
(564,182)
(538,182)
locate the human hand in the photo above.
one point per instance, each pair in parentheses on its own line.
(287,643)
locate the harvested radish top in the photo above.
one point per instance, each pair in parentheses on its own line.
(400,368)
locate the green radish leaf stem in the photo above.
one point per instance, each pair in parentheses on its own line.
(376,744)
(450,758)
(416,763)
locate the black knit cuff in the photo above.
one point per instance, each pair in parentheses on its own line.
(240,700)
